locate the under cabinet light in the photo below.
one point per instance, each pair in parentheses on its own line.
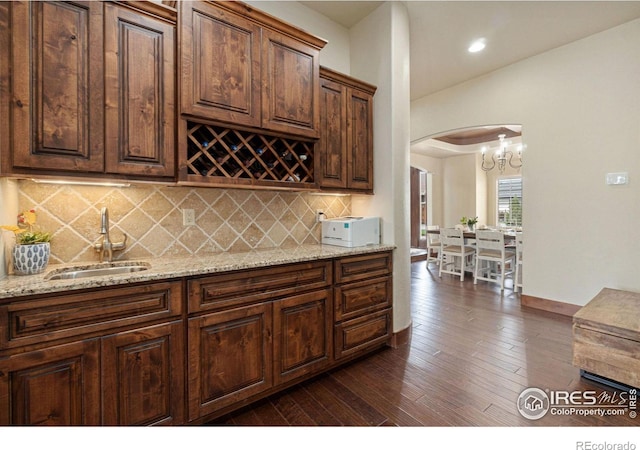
(82,183)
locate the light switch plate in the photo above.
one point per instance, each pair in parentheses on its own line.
(617,178)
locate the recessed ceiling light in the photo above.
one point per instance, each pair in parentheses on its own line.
(477,46)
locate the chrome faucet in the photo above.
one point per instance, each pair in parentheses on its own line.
(106,246)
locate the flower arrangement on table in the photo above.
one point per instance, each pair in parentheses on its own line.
(469,222)
(32,249)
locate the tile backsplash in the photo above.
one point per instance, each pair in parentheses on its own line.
(151,216)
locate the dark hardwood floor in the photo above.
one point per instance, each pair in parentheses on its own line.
(472,352)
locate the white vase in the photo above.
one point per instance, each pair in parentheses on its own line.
(30,259)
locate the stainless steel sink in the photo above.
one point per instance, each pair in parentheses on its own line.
(96,270)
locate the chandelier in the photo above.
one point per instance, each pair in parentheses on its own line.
(502,156)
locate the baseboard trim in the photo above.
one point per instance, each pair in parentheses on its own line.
(402,337)
(566,309)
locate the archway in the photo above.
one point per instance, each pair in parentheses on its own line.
(453,160)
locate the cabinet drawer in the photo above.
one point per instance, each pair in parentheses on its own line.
(60,316)
(355,268)
(362,333)
(355,299)
(248,286)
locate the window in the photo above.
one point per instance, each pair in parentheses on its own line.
(510,201)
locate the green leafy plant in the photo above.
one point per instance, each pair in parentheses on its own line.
(470,221)
(32,237)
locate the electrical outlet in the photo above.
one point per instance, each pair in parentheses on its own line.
(188,217)
(319,215)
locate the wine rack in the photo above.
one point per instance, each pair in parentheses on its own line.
(220,153)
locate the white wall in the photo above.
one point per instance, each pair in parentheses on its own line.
(459,189)
(579,106)
(336,53)
(380,55)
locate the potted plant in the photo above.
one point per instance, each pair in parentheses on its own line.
(470,222)
(32,249)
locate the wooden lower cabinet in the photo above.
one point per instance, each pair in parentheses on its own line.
(59,385)
(303,338)
(111,356)
(230,357)
(143,376)
(363,303)
(133,355)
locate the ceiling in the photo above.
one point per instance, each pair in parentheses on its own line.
(441,31)
(470,140)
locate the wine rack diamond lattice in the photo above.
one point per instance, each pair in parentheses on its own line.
(215,151)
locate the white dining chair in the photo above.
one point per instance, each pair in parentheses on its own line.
(517,282)
(494,262)
(433,245)
(455,256)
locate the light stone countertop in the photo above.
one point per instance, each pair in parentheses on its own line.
(169,268)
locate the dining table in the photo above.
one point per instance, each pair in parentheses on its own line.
(509,234)
(470,236)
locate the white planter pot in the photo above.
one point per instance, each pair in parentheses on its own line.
(30,259)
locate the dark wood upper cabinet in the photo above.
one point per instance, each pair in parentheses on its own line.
(332,170)
(345,148)
(139,93)
(242,67)
(290,76)
(5,84)
(93,90)
(57,75)
(220,63)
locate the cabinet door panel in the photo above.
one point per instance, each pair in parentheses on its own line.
(230,357)
(220,64)
(302,340)
(290,100)
(139,93)
(58,86)
(55,386)
(143,374)
(333,135)
(360,140)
